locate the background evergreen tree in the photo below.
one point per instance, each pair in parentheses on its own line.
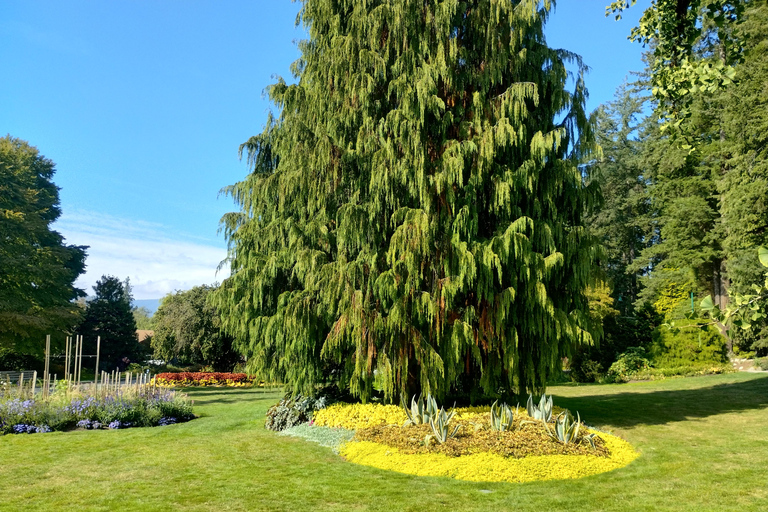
(37,269)
(743,185)
(109,315)
(622,223)
(416,209)
(143,317)
(711,199)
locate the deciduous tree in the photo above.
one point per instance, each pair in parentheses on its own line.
(37,268)
(188,329)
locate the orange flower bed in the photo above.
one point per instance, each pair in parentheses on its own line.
(187,379)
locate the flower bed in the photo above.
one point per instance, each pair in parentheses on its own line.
(524,452)
(188,379)
(134,407)
(489,466)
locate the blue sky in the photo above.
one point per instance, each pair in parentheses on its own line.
(143,104)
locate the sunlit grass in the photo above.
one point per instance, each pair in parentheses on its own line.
(704,445)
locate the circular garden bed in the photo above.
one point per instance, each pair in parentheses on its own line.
(525,450)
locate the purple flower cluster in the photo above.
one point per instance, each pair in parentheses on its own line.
(166,421)
(95,412)
(22,428)
(16,407)
(88,424)
(79,407)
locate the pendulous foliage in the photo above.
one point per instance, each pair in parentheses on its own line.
(416,208)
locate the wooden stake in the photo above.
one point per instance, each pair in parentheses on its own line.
(46,377)
(98,351)
(67,345)
(74,359)
(80,364)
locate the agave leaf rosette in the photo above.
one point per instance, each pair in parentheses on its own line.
(440,429)
(502,417)
(542,412)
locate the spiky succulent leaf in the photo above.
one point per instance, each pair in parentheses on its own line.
(542,412)
(502,417)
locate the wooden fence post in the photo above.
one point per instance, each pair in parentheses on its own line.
(67,347)
(46,377)
(80,364)
(98,351)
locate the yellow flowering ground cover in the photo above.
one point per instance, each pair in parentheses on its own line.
(484,466)
(355,416)
(490,467)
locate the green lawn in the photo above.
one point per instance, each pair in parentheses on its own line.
(704,445)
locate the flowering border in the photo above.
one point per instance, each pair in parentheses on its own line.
(189,379)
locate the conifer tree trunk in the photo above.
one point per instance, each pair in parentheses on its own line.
(414,213)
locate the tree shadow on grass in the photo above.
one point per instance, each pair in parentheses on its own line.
(631,409)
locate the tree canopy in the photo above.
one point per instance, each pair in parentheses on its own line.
(188,329)
(675,30)
(707,207)
(37,269)
(415,210)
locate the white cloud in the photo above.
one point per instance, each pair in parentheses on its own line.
(157,260)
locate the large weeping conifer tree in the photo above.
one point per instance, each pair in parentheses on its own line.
(416,208)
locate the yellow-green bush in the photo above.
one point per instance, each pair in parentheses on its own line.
(686,344)
(354,416)
(489,467)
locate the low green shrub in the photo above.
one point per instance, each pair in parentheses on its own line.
(293,410)
(587,371)
(589,363)
(761,363)
(628,365)
(682,371)
(685,344)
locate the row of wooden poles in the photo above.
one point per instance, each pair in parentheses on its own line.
(73,368)
(73,362)
(104,382)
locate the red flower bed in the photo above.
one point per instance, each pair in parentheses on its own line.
(203,379)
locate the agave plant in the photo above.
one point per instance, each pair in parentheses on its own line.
(542,412)
(440,430)
(502,417)
(566,429)
(421,411)
(590,438)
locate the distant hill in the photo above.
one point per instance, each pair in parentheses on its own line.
(150,304)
